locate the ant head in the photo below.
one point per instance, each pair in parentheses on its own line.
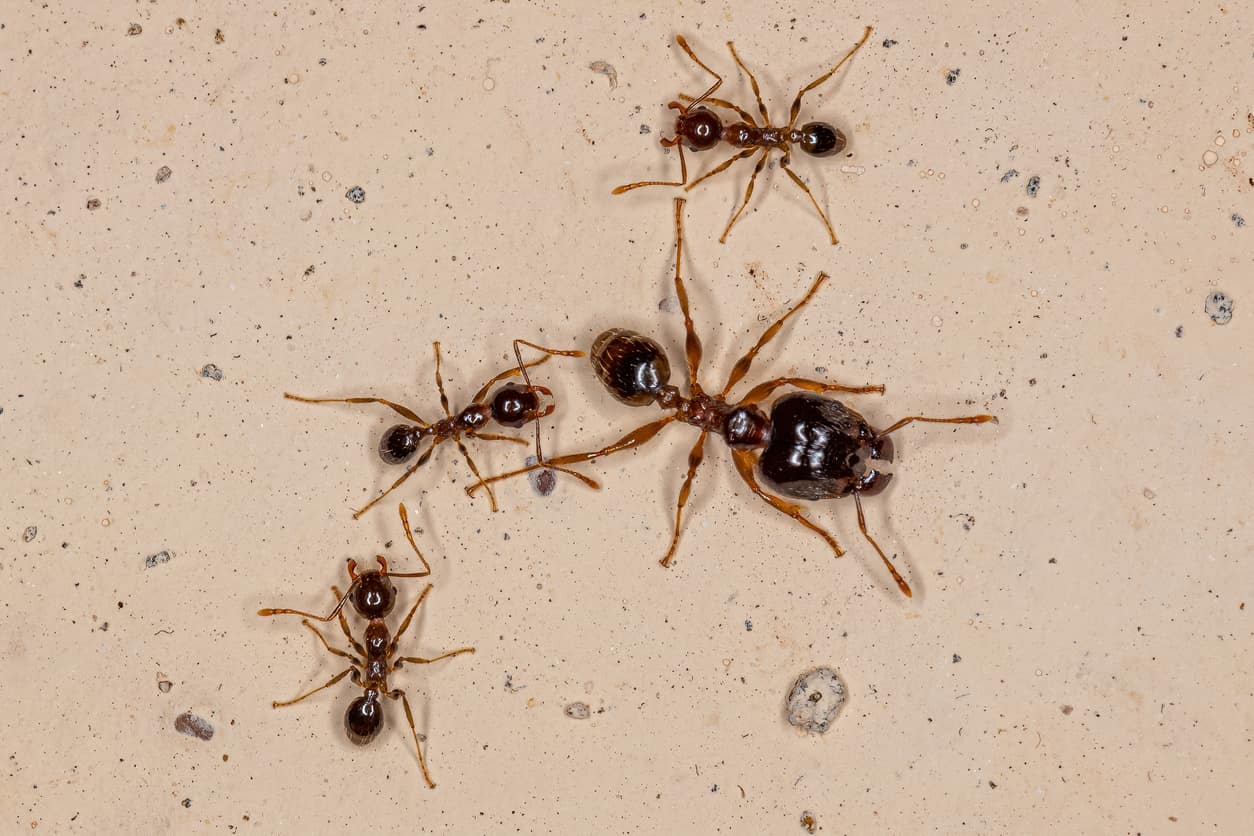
(633,367)
(867,479)
(514,405)
(746,427)
(373,595)
(819,139)
(699,127)
(400,442)
(364,718)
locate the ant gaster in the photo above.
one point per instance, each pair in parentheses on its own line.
(808,447)
(701,129)
(511,405)
(373,596)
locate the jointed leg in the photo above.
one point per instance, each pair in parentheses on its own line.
(683,169)
(742,365)
(753,82)
(692,343)
(740,155)
(494,437)
(409,715)
(901,582)
(405,411)
(439,381)
(513,371)
(763,390)
(796,105)
(339,608)
(475,470)
(422,596)
(766,152)
(633,439)
(973,419)
(741,112)
(328,684)
(409,535)
(419,660)
(409,471)
(718,79)
(348,634)
(335,650)
(694,461)
(831,233)
(744,464)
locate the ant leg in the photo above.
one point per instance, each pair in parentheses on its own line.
(350,657)
(763,390)
(692,342)
(796,105)
(766,152)
(512,371)
(339,608)
(801,184)
(683,170)
(408,472)
(741,112)
(744,464)
(419,660)
(348,634)
(409,535)
(973,419)
(493,437)
(740,155)
(404,411)
(633,439)
(695,456)
(901,582)
(409,715)
(439,381)
(328,684)
(422,596)
(478,476)
(718,79)
(753,82)
(742,365)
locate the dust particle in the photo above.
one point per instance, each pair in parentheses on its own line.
(30,533)
(1034,185)
(164,685)
(606,70)
(748,626)
(218,37)
(1149,494)
(356,194)
(134,29)
(957,658)
(187,802)
(808,822)
(1067,709)
(815,700)
(645,129)
(93,203)
(211,371)
(1010,175)
(577,711)
(669,305)
(163,556)
(889,43)
(543,481)
(1179,331)
(190,724)
(1238,220)
(952,76)
(1219,308)
(163,173)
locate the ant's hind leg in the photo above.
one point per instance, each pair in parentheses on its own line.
(739,155)
(478,476)
(796,104)
(327,684)
(419,660)
(744,465)
(695,458)
(692,343)
(402,410)
(757,169)
(683,170)
(405,624)
(409,471)
(901,582)
(763,390)
(335,650)
(409,715)
(753,82)
(742,365)
(831,233)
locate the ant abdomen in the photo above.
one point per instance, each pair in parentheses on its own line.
(633,367)
(399,443)
(364,719)
(819,139)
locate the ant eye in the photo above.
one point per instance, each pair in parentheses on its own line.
(399,443)
(819,139)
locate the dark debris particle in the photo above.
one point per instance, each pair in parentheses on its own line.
(889,43)
(992,785)
(957,658)
(1010,175)
(356,194)
(30,533)
(134,29)
(79,281)
(163,556)
(1031,381)
(543,482)
(1238,220)
(952,76)
(218,36)
(748,626)
(645,129)
(164,685)
(187,802)
(93,203)
(163,173)
(1034,185)
(808,822)
(1179,331)
(1067,709)
(577,711)
(194,726)
(1219,308)
(211,371)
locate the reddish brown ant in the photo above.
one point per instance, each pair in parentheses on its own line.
(702,129)
(511,405)
(373,596)
(809,447)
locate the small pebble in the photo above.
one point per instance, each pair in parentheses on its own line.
(669,305)
(1034,186)
(164,685)
(889,43)
(93,203)
(748,626)
(163,173)
(30,533)
(815,700)
(356,194)
(1219,308)
(187,802)
(211,371)
(134,29)
(1010,175)
(577,711)
(952,76)
(194,726)
(544,481)
(1238,220)
(157,559)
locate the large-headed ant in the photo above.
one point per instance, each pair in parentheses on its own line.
(809,446)
(701,129)
(511,405)
(373,596)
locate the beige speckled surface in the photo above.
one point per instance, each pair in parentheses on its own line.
(1076,658)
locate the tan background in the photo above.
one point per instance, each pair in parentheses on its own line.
(1104,574)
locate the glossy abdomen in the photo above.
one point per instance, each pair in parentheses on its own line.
(630,365)
(815,446)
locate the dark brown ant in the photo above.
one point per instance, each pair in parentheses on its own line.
(701,129)
(373,596)
(809,447)
(512,405)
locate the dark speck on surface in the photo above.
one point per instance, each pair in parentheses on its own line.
(163,556)
(1010,175)
(952,76)
(79,281)
(1034,185)
(30,533)
(93,203)
(1219,308)
(644,129)
(211,371)
(187,802)
(356,194)
(193,726)
(1238,220)
(957,658)
(1179,331)
(163,173)
(889,43)
(748,625)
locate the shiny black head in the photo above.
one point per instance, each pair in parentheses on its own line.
(373,595)
(819,139)
(514,405)
(633,367)
(400,443)
(746,427)
(364,718)
(699,128)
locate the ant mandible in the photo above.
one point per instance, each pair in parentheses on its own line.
(809,447)
(373,596)
(511,405)
(702,129)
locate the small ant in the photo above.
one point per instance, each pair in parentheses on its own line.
(810,447)
(373,596)
(511,405)
(702,129)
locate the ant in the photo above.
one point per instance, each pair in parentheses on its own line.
(702,129)
(809,447)
(511,405)
(373,596)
